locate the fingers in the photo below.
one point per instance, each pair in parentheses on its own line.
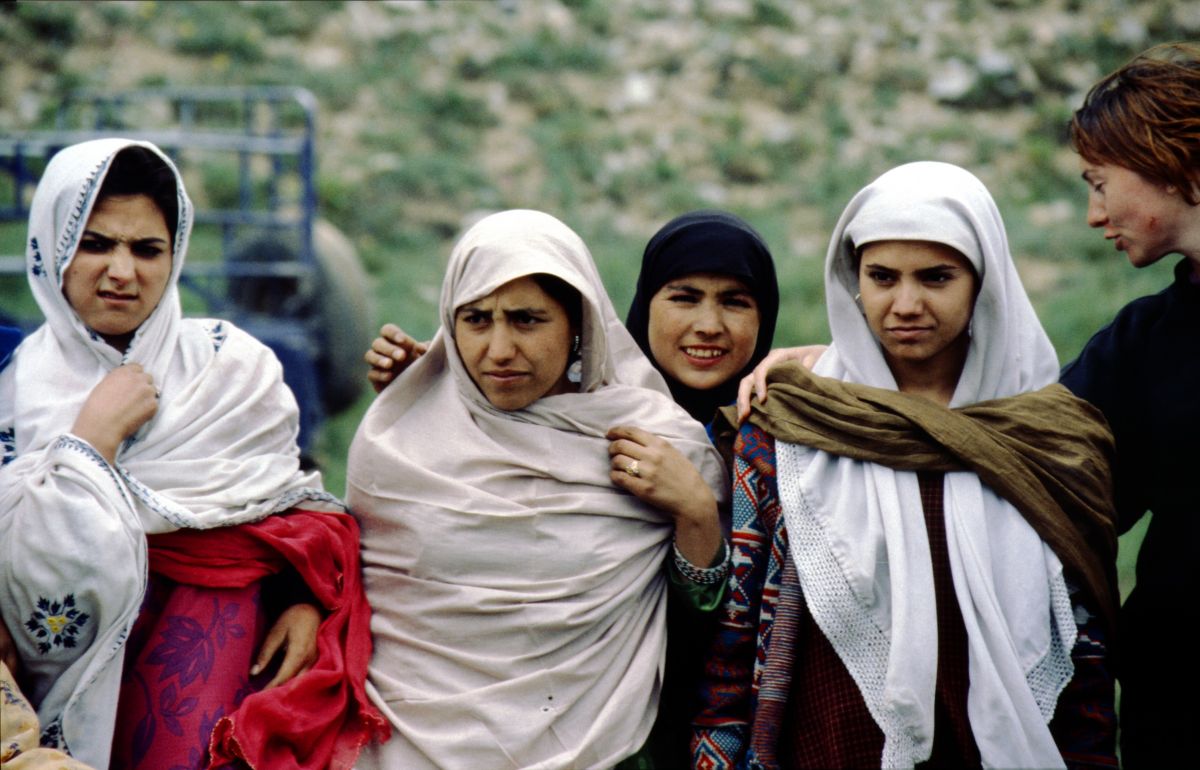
(632,434)
(390,354)
(745,387)
(295,662)
(296,632)
(270,646)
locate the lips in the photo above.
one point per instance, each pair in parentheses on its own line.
(112,296)
(505,377)
(909,333)
(704,356)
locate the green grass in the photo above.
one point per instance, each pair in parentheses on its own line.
(412,101)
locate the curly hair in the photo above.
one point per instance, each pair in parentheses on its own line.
(1146,117)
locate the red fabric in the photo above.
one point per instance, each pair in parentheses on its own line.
(827,723)
(321,718)
(187,664)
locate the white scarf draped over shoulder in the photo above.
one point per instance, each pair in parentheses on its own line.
(221,450)
(857,530)
(517,594)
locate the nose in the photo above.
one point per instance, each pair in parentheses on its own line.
(500,344)
(1097,214)
(909,298)
(121,264)
(708,320)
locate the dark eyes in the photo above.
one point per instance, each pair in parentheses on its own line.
(934,277)
(525,319)
(144,249)
(735,301)
(482,318)
(474,318)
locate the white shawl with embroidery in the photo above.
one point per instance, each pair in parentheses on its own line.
(221,450)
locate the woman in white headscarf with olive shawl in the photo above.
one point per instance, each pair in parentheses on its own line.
(935,584)
(517,592)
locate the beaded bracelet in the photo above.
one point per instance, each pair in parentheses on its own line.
(703,576)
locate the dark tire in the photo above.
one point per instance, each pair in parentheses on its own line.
(339,307)
(347,311)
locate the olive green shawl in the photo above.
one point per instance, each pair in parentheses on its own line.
(1046,452)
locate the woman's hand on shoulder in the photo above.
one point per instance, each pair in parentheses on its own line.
(391,353)
(657,473)
(122,402)
(755,383)
(296,634)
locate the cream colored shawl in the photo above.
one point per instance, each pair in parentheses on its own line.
(221,450)
(518,595)
(857,529)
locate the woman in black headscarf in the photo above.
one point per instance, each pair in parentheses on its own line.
(705,307)
(704,313)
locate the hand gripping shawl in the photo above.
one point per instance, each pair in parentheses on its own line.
(856,525)
(518,596)
(220,451)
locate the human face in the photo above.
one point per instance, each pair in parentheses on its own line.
(121,268)
(515,343)
(918,297)
(703,328)
(1142,218)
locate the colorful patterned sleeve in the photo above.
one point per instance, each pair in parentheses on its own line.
(721,730)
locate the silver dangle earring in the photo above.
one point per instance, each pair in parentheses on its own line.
(575,368)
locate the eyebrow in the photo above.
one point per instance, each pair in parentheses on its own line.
(104,237)
(537,311)
(938,267)
(722,293)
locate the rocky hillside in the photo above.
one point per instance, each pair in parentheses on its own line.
(617,114)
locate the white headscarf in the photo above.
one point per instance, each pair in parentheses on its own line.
(517,593)
(220,450)
(222,447)
(857,530)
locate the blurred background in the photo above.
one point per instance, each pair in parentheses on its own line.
(616,115)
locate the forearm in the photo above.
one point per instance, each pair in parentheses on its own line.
(698,533)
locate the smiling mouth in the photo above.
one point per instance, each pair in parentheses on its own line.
(705,354)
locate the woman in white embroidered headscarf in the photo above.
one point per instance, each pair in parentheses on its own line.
(934,574)
(517,586)
(144,456)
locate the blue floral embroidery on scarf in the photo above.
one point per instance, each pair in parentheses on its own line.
(57,623)
(38,268)
(8,446)
(52,736)
(218,334)
(75,220)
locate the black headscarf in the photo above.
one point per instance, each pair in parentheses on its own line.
(706,242)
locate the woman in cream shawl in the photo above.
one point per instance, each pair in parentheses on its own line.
(897,521)
(517,592)
(144,454)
